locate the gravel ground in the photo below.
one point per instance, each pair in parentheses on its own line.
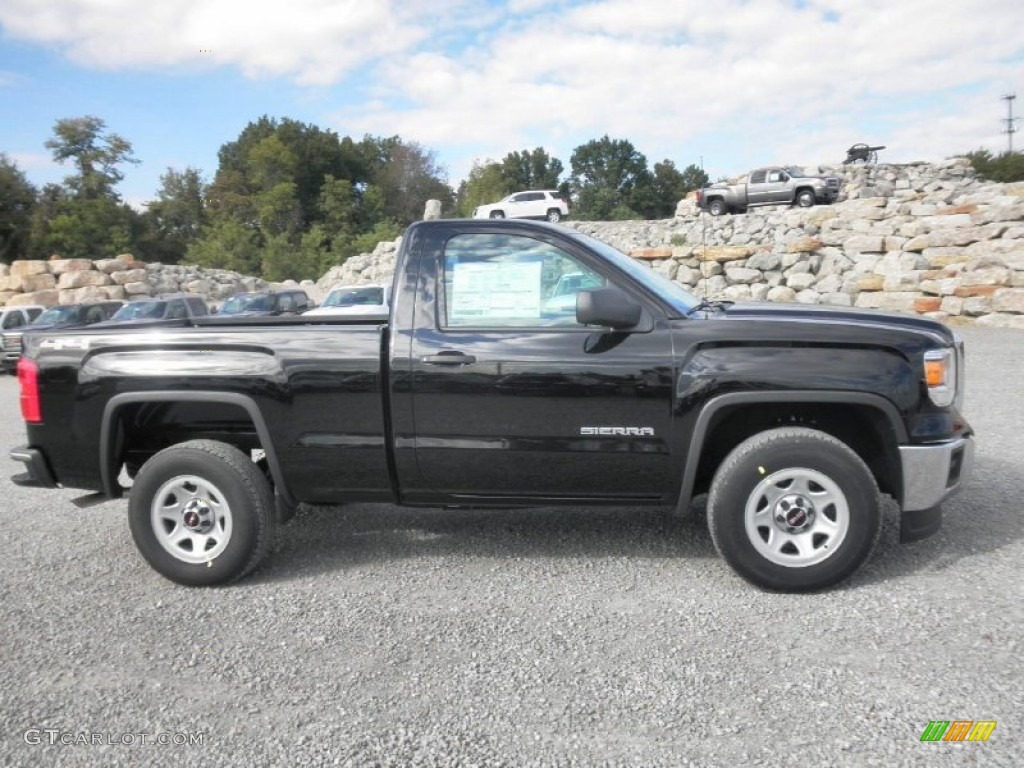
(375,635)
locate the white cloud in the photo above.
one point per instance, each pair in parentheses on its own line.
(315,41)
(741,81)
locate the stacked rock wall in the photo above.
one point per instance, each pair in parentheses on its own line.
(70,281)
(927,239)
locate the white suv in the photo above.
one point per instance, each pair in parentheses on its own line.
(541,204)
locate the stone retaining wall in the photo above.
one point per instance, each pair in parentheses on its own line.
(70,281)
(918,238)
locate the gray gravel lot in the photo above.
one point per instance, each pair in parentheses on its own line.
(375,635)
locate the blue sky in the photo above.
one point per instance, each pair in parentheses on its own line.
(737,83)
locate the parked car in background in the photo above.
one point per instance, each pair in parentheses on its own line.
(287,302)
(769,186)
(176,307)
(534,204)
(355,301)
(12,319)
(66,316)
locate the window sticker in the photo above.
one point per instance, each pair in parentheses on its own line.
(495,289)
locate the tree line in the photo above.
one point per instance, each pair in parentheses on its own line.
(290,200)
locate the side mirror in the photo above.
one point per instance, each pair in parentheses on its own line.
(608,307)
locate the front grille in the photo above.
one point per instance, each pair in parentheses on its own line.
(833,183)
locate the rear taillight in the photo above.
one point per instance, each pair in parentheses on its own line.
(28,378)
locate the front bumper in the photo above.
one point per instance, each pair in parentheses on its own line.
(37,472)
(931,474)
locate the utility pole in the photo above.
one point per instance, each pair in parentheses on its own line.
(1010,120)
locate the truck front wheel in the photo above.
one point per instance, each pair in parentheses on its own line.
(718,208)
(794,509)
(805,198)
(201,513)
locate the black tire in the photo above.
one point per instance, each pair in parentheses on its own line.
(718,207)
(805,198)
(755,506)
(283,510)
(554,216)
(497,214)
(228,506)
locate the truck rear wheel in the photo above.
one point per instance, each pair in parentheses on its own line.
(201,513)
(794,509)
(718,208)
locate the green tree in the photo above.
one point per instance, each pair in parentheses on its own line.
(669,185)
(226,243)
(17,201)
(176,217)
(1006,167)
(694,178)
(610,179)
(531,169)
(85,218)
(95,154)
(486,183)
(407,175)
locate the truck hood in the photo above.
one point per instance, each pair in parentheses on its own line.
(814,313)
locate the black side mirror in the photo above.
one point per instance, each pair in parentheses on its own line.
(608,307)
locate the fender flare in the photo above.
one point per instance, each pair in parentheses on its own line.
(108,472)
(803,397)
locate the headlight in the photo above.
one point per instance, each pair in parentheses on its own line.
(940,375)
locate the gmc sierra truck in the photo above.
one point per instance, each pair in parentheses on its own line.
(769,186)
(479,390)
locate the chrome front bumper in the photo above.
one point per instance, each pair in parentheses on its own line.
(933,473)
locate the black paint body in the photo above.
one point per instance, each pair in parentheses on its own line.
(357,411)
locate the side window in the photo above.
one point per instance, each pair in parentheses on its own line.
(110,309)
(757,177)
(13,319)
(301,301)
(286,302)
(197,306)
(94,315)
(511,281)
(34,312)
(775,176)
(178,311)
(519,198)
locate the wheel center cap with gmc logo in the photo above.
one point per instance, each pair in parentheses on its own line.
(794,513)
(197,516)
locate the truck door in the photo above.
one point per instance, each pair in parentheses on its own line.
(511,398)
(776,187)
(761,187)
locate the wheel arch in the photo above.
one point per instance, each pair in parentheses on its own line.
(111,431)
(869,424)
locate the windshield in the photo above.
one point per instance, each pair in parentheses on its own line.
(141,310)
(351,297)
(674,294)
(56,315)
(254,303)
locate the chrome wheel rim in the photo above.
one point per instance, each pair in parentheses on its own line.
(797,517)
(191,519)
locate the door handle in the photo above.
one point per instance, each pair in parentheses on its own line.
(451,357)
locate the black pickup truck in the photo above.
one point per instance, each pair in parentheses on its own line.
(484,388)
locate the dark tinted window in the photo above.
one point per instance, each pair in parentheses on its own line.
(757,177)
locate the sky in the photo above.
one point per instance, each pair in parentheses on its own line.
(730,84)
